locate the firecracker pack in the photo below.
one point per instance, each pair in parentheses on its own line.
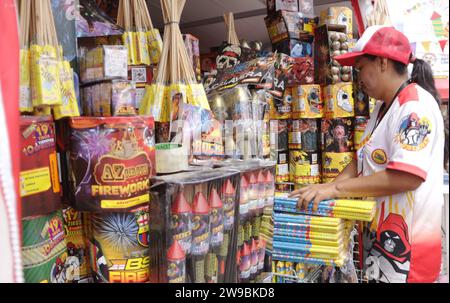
(104,62)
(279,134)
(337,135)
(338,99)
(304,168)
(333,164)
(193,221)
(331,41)
(360,128)
(338,16)
(304,134)
(285,25)
(302,71)
(281,109)
(40,188)
(295,48)
(307,102)
(108,99)
(44,250)
(118,245)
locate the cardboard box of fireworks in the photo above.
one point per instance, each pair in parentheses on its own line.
(330,41)
(286,25)
(305,7)
(193,226)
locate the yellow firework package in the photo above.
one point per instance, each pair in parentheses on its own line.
(304,167)
(196,96)
(338,16)
(307,102)
(45,83)
(69,107)
(339,102)
(78,269)
(128,40)
(155,45)
(280,109)
(147,99)
(119,246)
(143,56)
(333,164)
(25,104)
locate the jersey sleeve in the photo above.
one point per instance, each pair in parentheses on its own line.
(413,134)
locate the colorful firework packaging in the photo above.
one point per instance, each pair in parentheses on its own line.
(304,168)
(244,199)
(281,109)
(253,193)
(39,178)
(279,136)
(333,164)
(253,260)
(307,102)
(176,264)
(339,102)
(337,135)
(111,161)
(261,193)
(304,135)
(217,219)
(229,198)
(362,101)
(269,188)
(200,225)
(118,246)
(44,251)
(302,72)
(360,129)
(77,262)
(245,264)
(181,228)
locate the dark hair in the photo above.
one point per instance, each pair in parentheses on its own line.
(421,74)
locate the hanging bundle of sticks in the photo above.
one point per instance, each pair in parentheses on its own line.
(133,15)
(379,15)
(36,24)
(174,66)
(232,36)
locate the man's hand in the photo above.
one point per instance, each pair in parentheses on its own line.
(314,193)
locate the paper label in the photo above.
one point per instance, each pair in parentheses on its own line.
(34,181)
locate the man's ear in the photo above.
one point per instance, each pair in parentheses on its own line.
(383,63)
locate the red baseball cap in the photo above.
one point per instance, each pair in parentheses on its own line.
(380,41)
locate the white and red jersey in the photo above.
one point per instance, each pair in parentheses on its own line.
(403,243)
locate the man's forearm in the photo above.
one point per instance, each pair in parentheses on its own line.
(384,183)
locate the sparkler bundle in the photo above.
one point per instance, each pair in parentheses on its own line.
(46,81)
(310,239)
(344,209)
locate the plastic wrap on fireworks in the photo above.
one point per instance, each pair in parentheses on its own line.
(78,268)
(69,106)
(307,102)
(117,240)
(39,177)
(345,209)
(44,250)
(97,145)
(304,168)
(181,229)
(103,62)
(212,246)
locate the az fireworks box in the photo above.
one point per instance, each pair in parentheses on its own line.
(104,62)
(109,162)
(331,41)
(302,71)
(339,102)
(193,221)
(338,16)
(284,25)
(307,102)
(40,188)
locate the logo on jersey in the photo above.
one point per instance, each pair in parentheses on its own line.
(379,156)
(413,132)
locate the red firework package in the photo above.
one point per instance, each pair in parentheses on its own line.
(39,179)
(111,162)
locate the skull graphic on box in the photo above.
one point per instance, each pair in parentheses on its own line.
(230,57)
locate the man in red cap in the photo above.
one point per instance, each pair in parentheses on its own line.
(400,163)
